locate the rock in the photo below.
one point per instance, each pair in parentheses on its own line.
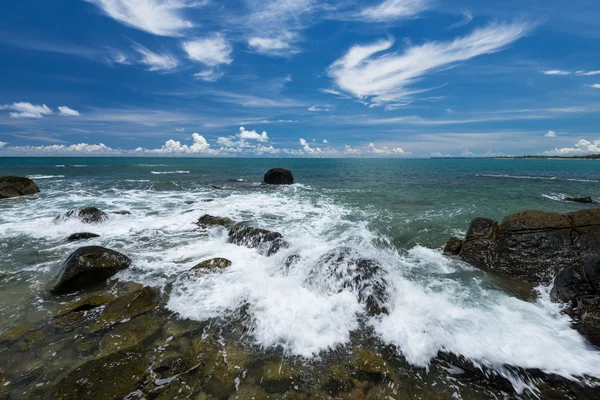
(14,186)
(213,187)
(14,333)
(112,376)
(584,200)
(189,202)
(85,304)
(266,242)
(129,334)
(588,308)
(279,176)
(4,386)
(121,212)
(212,264)
(209,220)
(532,246)
(592,274)
(130,306)
(351,271)
(88,215)
(370,365)
(81,236)
(453,246)
(279,376)
(208,200)
(569,285)
(88,266)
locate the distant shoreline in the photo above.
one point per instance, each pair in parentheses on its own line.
(590,157)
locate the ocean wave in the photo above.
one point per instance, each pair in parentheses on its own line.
(548,178)
(168,172)
(70,166)
(46,176)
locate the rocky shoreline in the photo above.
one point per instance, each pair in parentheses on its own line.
(112,339)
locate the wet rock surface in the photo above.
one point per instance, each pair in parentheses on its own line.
(15,186)
(265,241)
(207,221)
(89,266)
(532,246)
(212,264)
(453,246)
(279,176)
(82,236)
(88,215)
(583,200)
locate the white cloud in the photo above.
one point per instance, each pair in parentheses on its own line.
(390,10)
(210,51)
(322,108)
(171,146)
(595,86)
(159,17)
(467,18)
(351,151)
(556,72)
(155,61)
(2,144)
(68,112)
(253,135)
(209,75)
(26,110)
(62,149)
(387,77)
(550,134)
(278,46)
(386,151)
(582,147)
(587,73)
(325,141)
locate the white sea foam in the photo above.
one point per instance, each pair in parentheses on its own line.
(435,303)
(46,176)
(168,172)
(545,178)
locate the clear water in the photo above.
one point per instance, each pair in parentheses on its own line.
(398,212)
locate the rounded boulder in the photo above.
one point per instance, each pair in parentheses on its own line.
(14,186)
(279,176)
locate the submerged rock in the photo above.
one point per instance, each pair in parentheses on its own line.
(343,268)
(209,220)
(266,242)
(279,376)
(129,306)
(88,266)
(88,215)
(584,200)
(214,263)
(453,246)
(279,176)
(121,212)
(532,246)
(370,365)
(14,186)
(81,236)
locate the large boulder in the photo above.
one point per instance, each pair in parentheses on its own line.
(88,266)
(532,246)
(266,242)
(87,215)
(206,221)
(14,186)
(279,176)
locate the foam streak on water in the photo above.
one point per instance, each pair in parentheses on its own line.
(435,305)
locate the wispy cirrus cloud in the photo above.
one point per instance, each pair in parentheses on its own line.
(158,17)
(367,73)
(156,61)
(391,10)
(466,20)
(556,72)
(68,112)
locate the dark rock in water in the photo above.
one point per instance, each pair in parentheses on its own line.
(129,306)
(112,376)
(569,285)
(209,220)
(14,186)
(213,187)
(370,365)
(588,308)
(531,246)
(121,212)
(584,200)
(351,271)
(208,200)
(214,263)
(82,236)
(453,246)
(88,215)
(279,176)
(189,202)
(266,242)
(88,266)
(592,273)
(279,376)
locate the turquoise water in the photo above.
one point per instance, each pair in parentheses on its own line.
(398,212)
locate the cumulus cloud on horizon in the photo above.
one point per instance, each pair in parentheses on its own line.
(581,148)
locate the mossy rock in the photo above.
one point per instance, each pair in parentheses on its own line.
(86,303)
(339,379)
(213,264)
(206,221)
(130,334)
(279,376)
(370,365)
(113,376)
(129,306)
(4,385)
(31,338)
(14,333)
(247,392)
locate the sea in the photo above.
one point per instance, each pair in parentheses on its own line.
(399,212)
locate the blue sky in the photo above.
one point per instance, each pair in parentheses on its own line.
(383,78)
